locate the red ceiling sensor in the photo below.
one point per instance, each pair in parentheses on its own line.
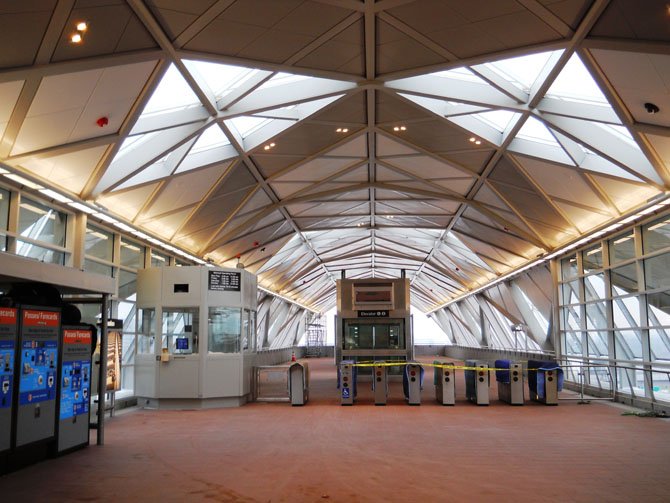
(102,121)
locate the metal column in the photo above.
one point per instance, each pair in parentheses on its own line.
(102,375)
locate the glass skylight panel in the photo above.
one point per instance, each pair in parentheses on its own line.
(221,79)
(522,71)
(621,132)
(210,138)
(133,142)
(576,83)
(461,73)
(282,78)
(246,125)
(535,130)
(499,119)
(172,93)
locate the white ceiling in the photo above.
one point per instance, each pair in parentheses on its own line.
(454,140)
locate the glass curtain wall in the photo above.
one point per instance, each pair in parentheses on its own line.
(615,307)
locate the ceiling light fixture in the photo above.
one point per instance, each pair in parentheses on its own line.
(82,26)
(76,38)
(473,139)
(651,108)
(478,142)
(399,128)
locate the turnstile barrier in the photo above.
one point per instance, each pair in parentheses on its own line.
(545,380)
(445,383)
(509,376)
(298,382)
(347,382)
(412,383)
(380,386)
(477,382)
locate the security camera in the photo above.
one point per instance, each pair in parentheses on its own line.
(651,108)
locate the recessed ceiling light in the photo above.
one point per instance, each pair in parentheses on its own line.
(478,142)
(403,128)
(473,139)
(338,130)
(266,147)
(82,26)
(76,38)
(345,130)
(272,144)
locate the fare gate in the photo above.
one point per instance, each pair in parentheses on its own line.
(510,382)
(380,385)
(298,383)
(445,384)
(477,382)
(413,374)
(347,382)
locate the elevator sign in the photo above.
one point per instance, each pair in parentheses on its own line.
(224,281)
(377,313)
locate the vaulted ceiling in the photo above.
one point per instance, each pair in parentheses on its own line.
(455,140)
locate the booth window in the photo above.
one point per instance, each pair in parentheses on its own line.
(374,335)
(158,259)
(180,330)
(146,332)
(224,329)
(132,254)
(99,246)
(39,224)
(4,218)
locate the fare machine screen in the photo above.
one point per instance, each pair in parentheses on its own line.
(38,367)
(75,388)
(8,331)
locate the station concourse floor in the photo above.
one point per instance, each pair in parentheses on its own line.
(272,452)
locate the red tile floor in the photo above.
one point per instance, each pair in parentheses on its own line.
(272,452)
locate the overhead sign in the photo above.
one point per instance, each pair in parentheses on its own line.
(377,313)
(224,281)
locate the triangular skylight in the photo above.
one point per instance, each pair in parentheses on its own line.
(535,130)
(132,142)
(210,138)
(245,125)
(460,73)
(221,79)
(172,93)
(575,83)
(499,119)
(522,71)
(282,78)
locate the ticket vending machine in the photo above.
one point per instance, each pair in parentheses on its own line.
(445,383)
(39,334)
(8,333)
(75,388)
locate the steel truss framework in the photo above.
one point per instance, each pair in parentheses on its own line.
(230,150)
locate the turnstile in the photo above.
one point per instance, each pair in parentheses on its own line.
(477,382)
(75,387)
(412,382)
(347,382)
(509,376)
(380,386)
(545,380)
(445,383)
(298,383)
(8,333)
(35,414)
